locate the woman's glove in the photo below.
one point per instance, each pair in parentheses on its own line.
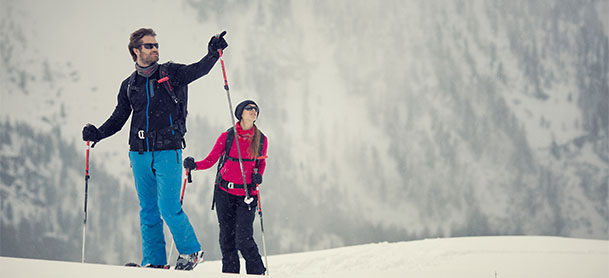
(189,163)
(256,178)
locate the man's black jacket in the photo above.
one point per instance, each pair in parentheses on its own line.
(156,117)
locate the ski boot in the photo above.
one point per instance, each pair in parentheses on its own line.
(189,262)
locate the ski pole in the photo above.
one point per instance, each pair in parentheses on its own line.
(84,223)
(266,262)
(248,199)
(189,178)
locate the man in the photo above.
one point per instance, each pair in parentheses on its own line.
(155,97)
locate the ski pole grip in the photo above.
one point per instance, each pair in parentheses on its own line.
(189,176)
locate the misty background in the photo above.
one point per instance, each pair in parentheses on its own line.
(386,120)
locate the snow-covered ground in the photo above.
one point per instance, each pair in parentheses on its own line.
(489,257)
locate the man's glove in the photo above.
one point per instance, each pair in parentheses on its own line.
(256,178)
(217,42)
(189,163)
(91,133)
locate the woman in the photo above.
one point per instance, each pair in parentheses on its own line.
(236,217)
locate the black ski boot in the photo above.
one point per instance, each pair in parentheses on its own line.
(189,262)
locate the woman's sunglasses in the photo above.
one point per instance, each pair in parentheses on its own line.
(250,108)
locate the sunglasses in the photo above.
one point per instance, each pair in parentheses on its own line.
(150,45)
(250,108)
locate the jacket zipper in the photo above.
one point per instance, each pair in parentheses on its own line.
(147,106)
(171,124)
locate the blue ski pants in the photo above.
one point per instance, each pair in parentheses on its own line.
(157,178)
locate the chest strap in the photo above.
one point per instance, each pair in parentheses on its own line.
(242,159)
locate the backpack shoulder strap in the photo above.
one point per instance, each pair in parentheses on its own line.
(262,139)
(164,70)
(260,149)
(131,85)
(164,73)
(230,136)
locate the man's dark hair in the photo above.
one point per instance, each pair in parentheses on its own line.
(136,37)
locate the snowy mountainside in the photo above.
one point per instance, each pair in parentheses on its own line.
(42,205)
(450,257)
(430,119)
(387,120)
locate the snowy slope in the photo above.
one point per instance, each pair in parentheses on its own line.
(453,257)
(404,119)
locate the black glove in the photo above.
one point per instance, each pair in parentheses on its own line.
(215,43)
(91,133)
(189,163)
(256,178)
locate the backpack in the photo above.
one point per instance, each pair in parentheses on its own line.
(230,136)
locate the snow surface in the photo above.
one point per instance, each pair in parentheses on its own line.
(509,256)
